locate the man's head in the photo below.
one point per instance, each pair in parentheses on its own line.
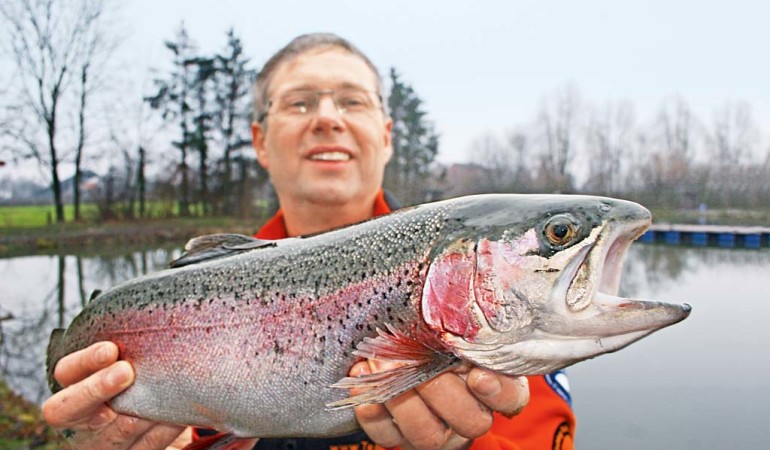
(296,47)
(320,128)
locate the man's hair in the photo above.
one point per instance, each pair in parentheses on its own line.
(297,47)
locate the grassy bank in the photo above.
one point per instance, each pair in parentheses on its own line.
(22,425)
(91,237)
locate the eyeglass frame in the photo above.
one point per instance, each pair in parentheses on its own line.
(319,93)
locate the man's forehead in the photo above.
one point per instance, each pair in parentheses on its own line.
(328,67)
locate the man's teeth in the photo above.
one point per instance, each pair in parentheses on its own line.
(330,156)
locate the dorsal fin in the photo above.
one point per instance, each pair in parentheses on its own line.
(94,294)
(213,246)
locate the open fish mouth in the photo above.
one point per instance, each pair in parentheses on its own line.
(589,288)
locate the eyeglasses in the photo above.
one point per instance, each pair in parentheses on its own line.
(305,101)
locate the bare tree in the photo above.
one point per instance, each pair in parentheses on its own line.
(495,159)
(519,143)
(51,41)
(558,120)
(732,144)
(734,135)
(670,176)
(609,139)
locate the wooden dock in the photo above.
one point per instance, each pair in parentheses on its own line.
(708,235)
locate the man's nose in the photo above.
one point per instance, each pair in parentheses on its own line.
(327,115)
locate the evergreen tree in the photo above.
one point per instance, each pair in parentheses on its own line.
(231,118)
(173,99)
(415,144)
(202,118)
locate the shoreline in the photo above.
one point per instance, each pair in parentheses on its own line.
(84,238)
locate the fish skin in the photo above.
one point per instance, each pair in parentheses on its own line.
(251,343)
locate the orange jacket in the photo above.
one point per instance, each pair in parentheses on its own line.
(547,422)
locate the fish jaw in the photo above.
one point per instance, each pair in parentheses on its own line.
(584,301)
(578,317)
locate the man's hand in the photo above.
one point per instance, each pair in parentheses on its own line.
(90,378)
(447,412)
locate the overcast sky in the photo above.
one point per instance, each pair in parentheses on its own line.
(486,66)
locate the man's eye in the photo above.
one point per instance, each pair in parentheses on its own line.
(297,104)
(352,101)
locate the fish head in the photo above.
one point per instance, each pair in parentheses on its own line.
(527,285)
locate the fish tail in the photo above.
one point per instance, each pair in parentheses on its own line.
(221,441)
(54,354)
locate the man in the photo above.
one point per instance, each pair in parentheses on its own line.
(323,135)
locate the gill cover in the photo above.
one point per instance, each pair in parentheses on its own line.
(472,286)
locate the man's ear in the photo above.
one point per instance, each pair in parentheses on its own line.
(258,142)
(388,140)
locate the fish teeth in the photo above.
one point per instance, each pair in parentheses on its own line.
(330,156)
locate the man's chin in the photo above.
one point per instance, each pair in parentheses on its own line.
(337,194)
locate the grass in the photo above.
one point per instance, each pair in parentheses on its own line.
(24,230)
(36,216)
(22,425)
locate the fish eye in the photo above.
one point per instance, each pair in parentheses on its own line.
(560,231)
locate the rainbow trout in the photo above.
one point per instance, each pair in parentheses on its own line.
(255,337)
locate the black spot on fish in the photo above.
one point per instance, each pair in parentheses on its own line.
(548,270)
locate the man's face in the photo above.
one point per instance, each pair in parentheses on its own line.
(324,157)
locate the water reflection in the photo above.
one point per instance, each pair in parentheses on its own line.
(46,292)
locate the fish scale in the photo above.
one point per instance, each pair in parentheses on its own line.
(250,337)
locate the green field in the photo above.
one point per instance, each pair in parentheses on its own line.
(32,216)
(35,216)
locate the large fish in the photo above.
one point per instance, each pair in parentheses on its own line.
(256,337)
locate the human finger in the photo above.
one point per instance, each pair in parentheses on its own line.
(504,394)
(83,402)
(421,428)
(375,419)
(449,398)
(160,436)
(82,363)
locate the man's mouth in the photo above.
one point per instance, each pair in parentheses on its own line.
(330,156)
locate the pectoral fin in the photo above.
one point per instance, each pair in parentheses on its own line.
(419,363)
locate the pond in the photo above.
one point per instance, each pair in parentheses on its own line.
(702,384)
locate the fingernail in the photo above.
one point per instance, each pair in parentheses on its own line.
(524,382)
(359,369)
(103,354)
(487,385)
(119,374)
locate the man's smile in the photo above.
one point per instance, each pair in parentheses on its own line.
(329,153)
